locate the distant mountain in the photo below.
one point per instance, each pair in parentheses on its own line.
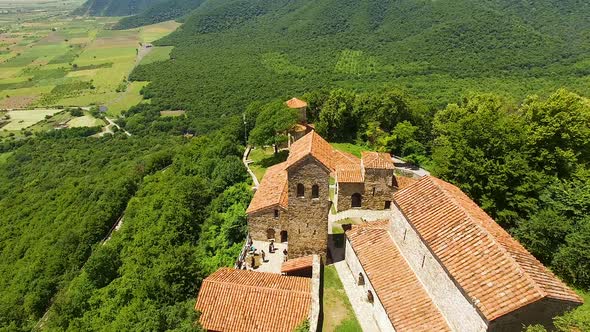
(115,7)
(160,12)
(230,52)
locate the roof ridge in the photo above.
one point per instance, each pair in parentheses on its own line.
(449,196)
(261,287)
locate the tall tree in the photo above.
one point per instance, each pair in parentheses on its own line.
(272,125)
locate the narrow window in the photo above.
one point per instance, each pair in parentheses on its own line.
(315,191)
(373,191)
(370,297)
(361,280)
(423,259)
(387,205)
(300,190)
(276,214)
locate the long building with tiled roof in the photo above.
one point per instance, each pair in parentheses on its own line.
(476,276)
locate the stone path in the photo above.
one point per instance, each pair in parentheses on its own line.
(362,309)
(247,164)
(274,260)
(409,168)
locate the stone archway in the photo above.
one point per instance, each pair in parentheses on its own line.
(356,200)
(270,233)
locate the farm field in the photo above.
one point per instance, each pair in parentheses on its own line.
(23,119)
(49,60)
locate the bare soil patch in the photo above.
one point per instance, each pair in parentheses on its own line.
(18,102)
(172,113)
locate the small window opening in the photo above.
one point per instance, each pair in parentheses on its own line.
(373,191)
(361,280)
(387,205)
(315,191)
(276,214)
(300,190)
(423,259)
(370,297)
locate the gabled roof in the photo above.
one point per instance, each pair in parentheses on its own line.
(496,271)
(272,191)
(233,300)
(295,103)
(377,160)
(313,145)
(296,264)
(405,300)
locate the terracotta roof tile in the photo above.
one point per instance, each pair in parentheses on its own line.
(313,145)
(349,175)
(404,181)
(297,264)
(494,269)
(272,191)
(295,103)
(233,300)
(406,302)
(378,160)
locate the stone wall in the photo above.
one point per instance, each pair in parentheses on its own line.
(307,216)
(540,312)
(378,188)
(379,313)
(459,312)
(316,296)
(344,192)
(260,222)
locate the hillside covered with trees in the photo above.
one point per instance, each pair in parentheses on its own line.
(114,7)
(229,53)
(490,95)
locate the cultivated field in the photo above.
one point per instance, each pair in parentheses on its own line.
(49,60)
(23,119)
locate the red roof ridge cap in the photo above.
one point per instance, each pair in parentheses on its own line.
(468,215)
(291,291)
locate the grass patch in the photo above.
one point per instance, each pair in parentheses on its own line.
(263,158)
(4,156)
(578,319)
(353,149)
(157,54)
(338,313)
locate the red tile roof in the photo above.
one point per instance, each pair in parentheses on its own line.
(404,181)
(297,264)
(496,271)
(313,145)
(295,103)
(406,302)
(233,300)
(272,191)
(378,160)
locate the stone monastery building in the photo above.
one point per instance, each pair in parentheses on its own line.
(435,261)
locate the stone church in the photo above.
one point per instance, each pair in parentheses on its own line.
(293,200)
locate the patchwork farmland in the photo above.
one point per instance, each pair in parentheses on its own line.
(50,60)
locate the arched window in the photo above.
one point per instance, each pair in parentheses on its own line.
(315,191)
(356,200)
(370,297)
(300,190)
(284,236)
(361,280)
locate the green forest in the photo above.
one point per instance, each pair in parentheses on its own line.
(481,93)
